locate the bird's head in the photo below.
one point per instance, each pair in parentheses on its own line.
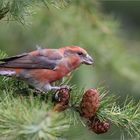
(78,52)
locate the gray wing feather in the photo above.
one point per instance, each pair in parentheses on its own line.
(30,62)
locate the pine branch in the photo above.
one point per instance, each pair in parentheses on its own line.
(18,10)
(26,115)
(125,116)
(29,118)
(4,10)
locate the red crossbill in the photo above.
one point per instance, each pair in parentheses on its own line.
(42,67)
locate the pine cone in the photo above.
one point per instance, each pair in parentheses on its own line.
(61,100)
(89,103)
(98,126)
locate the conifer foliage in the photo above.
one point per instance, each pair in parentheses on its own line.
(27,115)
(24,114)
(20,9)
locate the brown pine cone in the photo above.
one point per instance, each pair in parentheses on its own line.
(61,100)
(89,103)
(98,126)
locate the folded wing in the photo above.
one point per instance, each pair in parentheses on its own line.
(29,61)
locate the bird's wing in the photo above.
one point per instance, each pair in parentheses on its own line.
(30,61)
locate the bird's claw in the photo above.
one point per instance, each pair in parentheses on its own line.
(62,93)
(65,87)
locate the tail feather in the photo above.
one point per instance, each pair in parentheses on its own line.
(7,72)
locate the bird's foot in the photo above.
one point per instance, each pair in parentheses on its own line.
(57,88)
(65,87)
(62,94)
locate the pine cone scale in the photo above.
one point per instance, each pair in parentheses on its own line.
(89,103)
(61,100)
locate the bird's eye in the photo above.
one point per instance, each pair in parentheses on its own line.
(80,53)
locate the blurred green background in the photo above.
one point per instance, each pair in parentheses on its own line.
(108,30)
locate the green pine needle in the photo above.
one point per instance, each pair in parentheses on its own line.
(18,10)
(28,116)
(125,116)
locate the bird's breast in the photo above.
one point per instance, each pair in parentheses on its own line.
(46,75)
(43,75)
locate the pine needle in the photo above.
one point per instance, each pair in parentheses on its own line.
(126,116)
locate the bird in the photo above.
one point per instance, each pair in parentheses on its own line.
(42,67)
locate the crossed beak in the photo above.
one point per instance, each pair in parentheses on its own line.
(88,60)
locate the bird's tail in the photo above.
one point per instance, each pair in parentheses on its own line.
(7,71)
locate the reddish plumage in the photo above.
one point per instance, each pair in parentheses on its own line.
(43,66)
